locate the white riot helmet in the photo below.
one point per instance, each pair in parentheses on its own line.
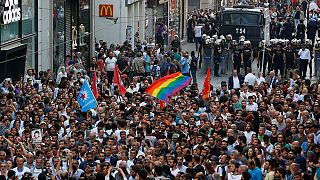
(308,41)
(242,37)
(215,36)
(247,42)
(287,41)
(204,36)
(298,41)
(229,36)
(222,37)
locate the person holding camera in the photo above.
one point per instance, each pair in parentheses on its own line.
(20,169)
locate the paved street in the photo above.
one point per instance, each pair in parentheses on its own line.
(215,81)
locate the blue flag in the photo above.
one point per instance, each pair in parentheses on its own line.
(86,98)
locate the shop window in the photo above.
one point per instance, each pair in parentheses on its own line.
(9,31)
(27,17)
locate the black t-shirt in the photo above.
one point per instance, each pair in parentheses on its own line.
(289,54)
(246,53)
(237,54)
(194,62)
(278,54)
(122,63)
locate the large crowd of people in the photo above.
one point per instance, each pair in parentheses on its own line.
(262,125)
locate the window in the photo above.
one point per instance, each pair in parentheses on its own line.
(27,17)
(231,19)
(241,19)
(9,31)
(250,19)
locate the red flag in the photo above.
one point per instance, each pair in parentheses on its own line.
(117,80)
(206,86)
(162,104)
(94,86)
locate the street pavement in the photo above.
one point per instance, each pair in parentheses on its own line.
(216,81)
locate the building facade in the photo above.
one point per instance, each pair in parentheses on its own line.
(18,37)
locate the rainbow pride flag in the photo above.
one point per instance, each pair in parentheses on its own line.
(168,85)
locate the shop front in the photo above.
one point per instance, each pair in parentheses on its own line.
(71,27)
(18,49)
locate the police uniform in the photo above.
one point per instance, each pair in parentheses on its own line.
(217,59)
(263,61)
(247,58)
(290,57)
(207,56)
(237,52)
(278,61)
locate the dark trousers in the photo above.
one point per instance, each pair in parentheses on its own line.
(110,75)
(279,67)
(216,69)
(197,40)
(303,67)
(237,66)
(247,64)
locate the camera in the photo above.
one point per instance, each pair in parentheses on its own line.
(27,176)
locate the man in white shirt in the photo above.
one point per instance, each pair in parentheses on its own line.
(20,169)
(305,58)
(250,79)
(110,65)
(251,106)
(197,34)
(260,79)
(61,74)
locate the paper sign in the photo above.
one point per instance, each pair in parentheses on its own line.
(36,136)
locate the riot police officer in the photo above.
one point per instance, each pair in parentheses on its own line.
(290,57)
(224,51)
(207,53)
(264,58)
(247,56)
(217,51)
(278,59)
(237,57)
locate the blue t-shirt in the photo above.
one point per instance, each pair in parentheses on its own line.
(256,174)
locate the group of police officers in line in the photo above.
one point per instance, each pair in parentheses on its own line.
(224,54)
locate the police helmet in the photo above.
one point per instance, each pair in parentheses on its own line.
(215,36)
(298,41)
(287,41)
(308,41)
(272,41)
(218,41)
(222,37)
(234,42)
(204,36)
(242,37)
(229,36)
(318,39)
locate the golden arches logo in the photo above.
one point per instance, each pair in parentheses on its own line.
(106,10)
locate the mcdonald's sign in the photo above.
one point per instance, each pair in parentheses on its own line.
(106,10)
